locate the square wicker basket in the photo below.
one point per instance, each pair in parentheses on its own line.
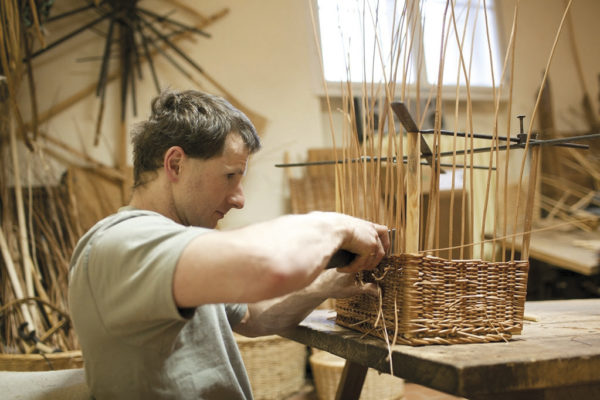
(430,300)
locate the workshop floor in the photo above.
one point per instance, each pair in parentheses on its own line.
(412,391)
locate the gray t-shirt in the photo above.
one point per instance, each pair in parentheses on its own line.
(136,343)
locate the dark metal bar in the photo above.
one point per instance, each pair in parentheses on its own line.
(94,58)
(551,142)
(136,53)
(105,58)
(136,62)
(567,140)
(69,13)
(172,46)
(170,59)
(563,142)
(474,135)
(173,22)
(367,159)
(148,56)
(71,34)
(124,71)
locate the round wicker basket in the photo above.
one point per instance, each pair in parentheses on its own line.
(276,366)
(38,362)
(327,370)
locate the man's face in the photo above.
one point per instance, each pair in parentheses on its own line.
(208,189)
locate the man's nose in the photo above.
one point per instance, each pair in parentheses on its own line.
(236,199)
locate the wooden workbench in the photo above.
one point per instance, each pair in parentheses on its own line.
(556,357)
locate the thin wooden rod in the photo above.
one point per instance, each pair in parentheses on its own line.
(532,189)
(413,190)
(517,234)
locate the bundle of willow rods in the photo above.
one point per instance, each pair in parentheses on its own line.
(423,298)
(37,232)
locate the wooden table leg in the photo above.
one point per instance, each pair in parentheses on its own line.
(351,382)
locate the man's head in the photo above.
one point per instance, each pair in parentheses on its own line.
(198,144)
(197,122)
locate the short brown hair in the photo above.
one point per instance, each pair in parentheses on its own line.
(196,121)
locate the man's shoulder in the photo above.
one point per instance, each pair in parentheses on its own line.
(129,217)
(121,225)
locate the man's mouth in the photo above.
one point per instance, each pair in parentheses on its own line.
(220,214)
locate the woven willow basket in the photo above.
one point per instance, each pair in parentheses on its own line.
(327,371)
(429,300)
(38,362)
(276,366)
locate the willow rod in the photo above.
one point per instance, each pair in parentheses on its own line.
(535,108)
(338,171)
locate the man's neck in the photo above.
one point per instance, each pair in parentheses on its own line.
(153,197)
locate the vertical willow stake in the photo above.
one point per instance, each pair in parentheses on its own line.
(14,278)
(535,158)
(27,263)
(413,191)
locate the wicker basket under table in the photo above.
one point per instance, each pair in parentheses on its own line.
(276,366)
(327,372)
(430,300)
(38,362)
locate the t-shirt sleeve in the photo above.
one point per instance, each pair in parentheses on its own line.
(235,313)
(130,272)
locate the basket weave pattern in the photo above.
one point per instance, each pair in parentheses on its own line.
(430,300)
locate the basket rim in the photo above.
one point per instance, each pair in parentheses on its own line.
(21,356)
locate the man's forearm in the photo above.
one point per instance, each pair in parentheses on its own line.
(277,315)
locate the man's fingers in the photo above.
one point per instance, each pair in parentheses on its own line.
(368,288)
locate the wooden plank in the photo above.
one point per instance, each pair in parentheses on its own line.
(561,349)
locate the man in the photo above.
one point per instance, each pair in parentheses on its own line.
(155,291)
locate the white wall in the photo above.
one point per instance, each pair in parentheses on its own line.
(263,53)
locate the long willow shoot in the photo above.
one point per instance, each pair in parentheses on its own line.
(409,155)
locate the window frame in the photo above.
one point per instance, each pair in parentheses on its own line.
(448,92)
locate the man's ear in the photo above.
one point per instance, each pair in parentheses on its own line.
(173,162)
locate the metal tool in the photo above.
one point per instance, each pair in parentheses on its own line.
(31,338)
(342,257)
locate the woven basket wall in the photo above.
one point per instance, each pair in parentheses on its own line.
(327,371)
(429,300)
(37,362)
(276,366)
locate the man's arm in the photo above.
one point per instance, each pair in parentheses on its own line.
(276,315)
(271,259)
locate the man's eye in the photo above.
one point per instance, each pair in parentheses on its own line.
(230,176)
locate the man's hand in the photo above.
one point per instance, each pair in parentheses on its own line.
(333,284)
(369,241)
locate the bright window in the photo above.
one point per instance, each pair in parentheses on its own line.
(374,40)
